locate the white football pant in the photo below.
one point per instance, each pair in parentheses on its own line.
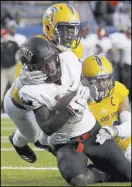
(28,129)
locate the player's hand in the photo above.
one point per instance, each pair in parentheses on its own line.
(32,77)
(74,86)
(105,133)
(78,104)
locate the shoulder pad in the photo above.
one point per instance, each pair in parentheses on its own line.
(120,90)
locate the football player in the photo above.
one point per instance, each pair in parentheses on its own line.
(37,54)
(109,102)
(61,25)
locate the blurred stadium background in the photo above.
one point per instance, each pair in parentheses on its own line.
(105,29)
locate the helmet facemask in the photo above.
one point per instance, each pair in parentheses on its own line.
(101,86)
(50,68)
(67,34)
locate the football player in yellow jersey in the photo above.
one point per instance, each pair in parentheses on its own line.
(109,102)
(61,26)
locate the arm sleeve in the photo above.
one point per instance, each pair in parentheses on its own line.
(124,129)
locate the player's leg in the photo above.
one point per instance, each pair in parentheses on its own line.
(27,128)
(108,156)
(24,120)
(73,167)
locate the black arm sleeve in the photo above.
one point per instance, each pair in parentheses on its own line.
(49,122)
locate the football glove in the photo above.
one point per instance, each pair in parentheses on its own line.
(58,138)
(32,77)
(105,133)
(74,86)
(78,104)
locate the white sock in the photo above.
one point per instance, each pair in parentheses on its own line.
(18,139)
(43,138)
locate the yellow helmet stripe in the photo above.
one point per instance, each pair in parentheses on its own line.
(98,60)
(70,8)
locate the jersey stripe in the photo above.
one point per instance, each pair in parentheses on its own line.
(98,60)
(71,9)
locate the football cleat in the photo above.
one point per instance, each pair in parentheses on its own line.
(41,146)
(25,152)
(46,147)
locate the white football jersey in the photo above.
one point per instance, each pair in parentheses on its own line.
(85,125)
(49,93)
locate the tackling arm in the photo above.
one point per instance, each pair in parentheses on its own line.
(124,129)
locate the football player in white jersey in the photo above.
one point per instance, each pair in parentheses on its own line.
(65,65)
(34,106)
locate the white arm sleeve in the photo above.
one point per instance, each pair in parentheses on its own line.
(124,129)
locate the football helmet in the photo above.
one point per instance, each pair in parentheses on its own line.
(37,54)
(61,24)
(98,74)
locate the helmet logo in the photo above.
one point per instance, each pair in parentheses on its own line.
(26,53)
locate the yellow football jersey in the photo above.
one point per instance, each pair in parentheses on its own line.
(18,69)
(106,111)
(78,51)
